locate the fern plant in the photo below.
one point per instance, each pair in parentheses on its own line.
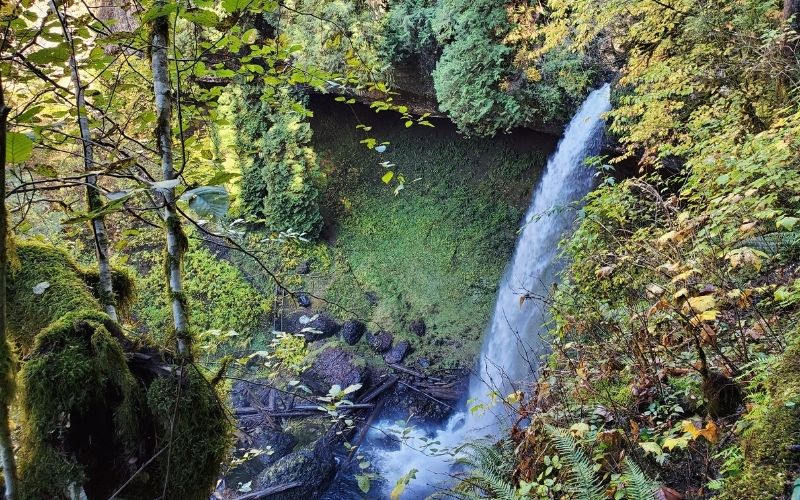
(637,485)
(582,482)
(490,470)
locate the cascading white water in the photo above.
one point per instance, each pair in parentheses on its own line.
(511,343)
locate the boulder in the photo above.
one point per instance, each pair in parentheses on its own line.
(398,352)
(380,342)
(275,443)
(304,267)
(304,300)
(351,331)
(333,366)
(418,327)
(321,325)
(312,467)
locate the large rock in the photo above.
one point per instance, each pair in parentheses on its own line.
(275,443)
(380,342)
(398,352)
(304,300)
(351,331)
(418,327)
(312,467)
(318,325)
(333,366)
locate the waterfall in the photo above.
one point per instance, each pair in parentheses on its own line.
(511,344)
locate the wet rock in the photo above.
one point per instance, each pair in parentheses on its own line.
(372,298)
(398,352)
(418,327)
(312,467)
(333,366)
(320,325)
(304,267)
(351,331)
(304,300)
(380,342)
(275,443)
(424,362)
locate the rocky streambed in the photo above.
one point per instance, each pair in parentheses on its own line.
(287,446)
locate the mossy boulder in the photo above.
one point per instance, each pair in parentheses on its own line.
(312,467)
(90,417)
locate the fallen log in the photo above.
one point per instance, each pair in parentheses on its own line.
(272,490)
(425,394)
(413,373)
(377,391)
(295,411)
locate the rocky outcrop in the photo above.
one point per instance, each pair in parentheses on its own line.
(398,352)
(275,443)
(310,469)
(313,325)
(333,366)
(381,341)
(352,331)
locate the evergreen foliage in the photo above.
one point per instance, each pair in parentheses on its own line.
(280,175)
(582,481)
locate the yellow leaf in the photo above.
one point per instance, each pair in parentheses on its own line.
(710,432)
(699,304)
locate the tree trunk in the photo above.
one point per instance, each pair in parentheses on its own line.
(6,355)
(93,200)
(176,240)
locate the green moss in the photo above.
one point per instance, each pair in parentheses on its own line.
(770,427)
(187,410)
(78,352)
(123,282)
(218,295)
(87,420)
(65,292)
(437,249)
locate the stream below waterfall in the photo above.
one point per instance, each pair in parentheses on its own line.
(512,343)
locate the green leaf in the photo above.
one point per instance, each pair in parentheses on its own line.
(221,177)
(387,177)
(208,201)
(652,447)
(59,53)
(787,223)
(364,482)
(157,11)
(200,17)
(18,147)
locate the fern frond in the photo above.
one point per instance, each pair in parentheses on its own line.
(491,469)
(581,480)
(637,485)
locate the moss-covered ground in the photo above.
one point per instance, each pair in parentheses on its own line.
(434,251)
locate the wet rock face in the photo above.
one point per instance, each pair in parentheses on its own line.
(418,327)
(398,352)
(312,467)
(351,331)
(333,366)
(321,325)
(381,341)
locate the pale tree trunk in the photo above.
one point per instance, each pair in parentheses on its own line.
(93,200)
(176,240)
(7,362)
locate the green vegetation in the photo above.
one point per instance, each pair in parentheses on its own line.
(219,296)
(65,338)
(435,250)
(280,175)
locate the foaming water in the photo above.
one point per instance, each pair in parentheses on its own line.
(512,341)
